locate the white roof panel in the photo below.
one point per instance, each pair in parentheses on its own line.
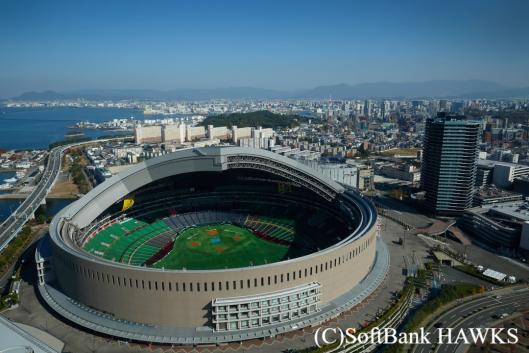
(494,274)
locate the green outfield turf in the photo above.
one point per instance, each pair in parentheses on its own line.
(127,241)
(218,247)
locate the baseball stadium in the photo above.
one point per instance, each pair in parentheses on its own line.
(211,245)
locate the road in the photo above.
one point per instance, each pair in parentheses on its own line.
(475,313)
(479,255)
(27,254)
(402,212)
(14,223)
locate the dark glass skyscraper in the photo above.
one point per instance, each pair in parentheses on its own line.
(449,163)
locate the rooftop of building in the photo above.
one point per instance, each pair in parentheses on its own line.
(492,163)
(452,118)
(492,192)
(18,338)
(517,210)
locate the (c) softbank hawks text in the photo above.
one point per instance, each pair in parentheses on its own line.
(376,336)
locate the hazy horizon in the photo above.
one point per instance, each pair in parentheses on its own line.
(68,46)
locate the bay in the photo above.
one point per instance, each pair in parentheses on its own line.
(36,128)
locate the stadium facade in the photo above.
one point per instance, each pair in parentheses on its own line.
(334,258)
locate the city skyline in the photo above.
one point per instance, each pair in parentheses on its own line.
(300,176)
(64,46)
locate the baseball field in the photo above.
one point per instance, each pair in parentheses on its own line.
(220,246)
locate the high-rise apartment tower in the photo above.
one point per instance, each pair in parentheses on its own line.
(451,146)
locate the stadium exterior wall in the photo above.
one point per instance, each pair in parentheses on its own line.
(183,298)
(112,289)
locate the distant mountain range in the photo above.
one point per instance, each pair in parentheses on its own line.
(426,89)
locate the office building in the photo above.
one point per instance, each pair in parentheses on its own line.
(449,163)
(502,226)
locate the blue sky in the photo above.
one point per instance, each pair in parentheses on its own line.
(272,44)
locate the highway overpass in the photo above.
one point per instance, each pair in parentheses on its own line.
(26,210)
